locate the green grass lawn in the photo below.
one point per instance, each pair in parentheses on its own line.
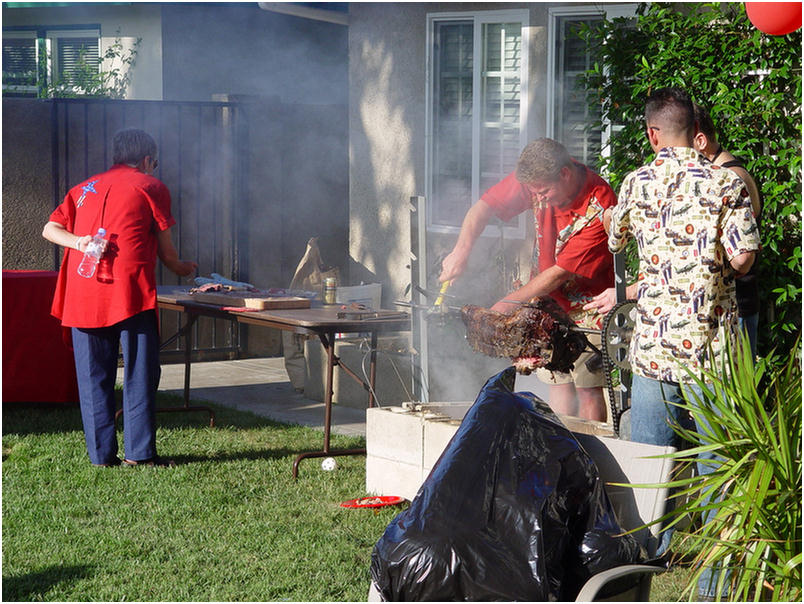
(228,523)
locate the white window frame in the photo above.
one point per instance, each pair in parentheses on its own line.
(28,34)
(606,11)
(51,35)
(478,19)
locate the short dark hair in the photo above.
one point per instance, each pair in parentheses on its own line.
(131,145)
(671,109)
(542,159)
(705,123)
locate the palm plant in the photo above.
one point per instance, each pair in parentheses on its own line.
(748,508)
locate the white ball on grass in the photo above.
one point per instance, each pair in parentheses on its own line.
(329,464)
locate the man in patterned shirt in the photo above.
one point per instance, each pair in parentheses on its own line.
(695,232)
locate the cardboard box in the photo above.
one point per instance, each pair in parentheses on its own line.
(370,295)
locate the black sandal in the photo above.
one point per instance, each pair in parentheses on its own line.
(111,464)
(153,462)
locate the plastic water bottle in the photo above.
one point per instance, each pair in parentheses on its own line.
(93,254)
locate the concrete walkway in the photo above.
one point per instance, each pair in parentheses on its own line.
(262,387)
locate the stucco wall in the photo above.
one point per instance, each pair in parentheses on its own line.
(244,50)
(132,20)
(28,197)
(386,128)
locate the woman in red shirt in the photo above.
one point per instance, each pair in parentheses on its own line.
(117,305)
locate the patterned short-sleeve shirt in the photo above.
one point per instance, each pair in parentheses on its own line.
(689,218)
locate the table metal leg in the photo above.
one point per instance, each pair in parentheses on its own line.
(188,356)
(185,331)
(328,342)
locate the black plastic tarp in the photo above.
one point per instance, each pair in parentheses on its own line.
(513,510)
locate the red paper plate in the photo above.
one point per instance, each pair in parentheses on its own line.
(373,502)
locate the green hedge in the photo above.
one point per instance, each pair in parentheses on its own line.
(751,84)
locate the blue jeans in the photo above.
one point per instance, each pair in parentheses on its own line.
(651,418)
(96,352)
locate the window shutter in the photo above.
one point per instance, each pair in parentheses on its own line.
(500,122)
(452,123)
(72,52)
(573,114)
(19,62)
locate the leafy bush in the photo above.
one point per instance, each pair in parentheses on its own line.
(751,84)
(754,531)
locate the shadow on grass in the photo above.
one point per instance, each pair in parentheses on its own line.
(40,418)
(44,418)
(254,454)
(35,585)
(23,420)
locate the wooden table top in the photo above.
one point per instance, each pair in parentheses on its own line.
(316,319)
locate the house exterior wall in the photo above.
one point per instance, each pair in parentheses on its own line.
(238,48)
(133,20)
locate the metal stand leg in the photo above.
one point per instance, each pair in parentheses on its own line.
(185,331)
(328,342)
(372,400)
(188,352)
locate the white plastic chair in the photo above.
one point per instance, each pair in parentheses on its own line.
(621,462)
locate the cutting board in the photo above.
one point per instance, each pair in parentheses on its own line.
(250,300)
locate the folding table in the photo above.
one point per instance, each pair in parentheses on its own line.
(323,322)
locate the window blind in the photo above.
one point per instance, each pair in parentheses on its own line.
(476,111)
(499,144)
(75,54)
(19,61)
(573,115)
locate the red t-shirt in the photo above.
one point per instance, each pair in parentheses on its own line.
(133,207)
(572,237)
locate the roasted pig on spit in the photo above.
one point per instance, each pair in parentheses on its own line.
(538,334)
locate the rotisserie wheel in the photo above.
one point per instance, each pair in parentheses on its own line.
(538,334)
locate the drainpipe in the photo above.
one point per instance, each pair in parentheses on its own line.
(305,12)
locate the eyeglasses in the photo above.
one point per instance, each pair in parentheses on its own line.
(156,164)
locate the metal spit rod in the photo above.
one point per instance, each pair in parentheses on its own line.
(440,309)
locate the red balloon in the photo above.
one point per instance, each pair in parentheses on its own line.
(774,18)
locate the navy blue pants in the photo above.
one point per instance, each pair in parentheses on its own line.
(96,353)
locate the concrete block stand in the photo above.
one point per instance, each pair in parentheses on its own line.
(404,443)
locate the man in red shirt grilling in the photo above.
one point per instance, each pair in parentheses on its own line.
(117,305)
(571,260)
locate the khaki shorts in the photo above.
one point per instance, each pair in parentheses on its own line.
(580,375)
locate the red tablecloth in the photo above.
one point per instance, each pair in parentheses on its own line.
(37,364)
